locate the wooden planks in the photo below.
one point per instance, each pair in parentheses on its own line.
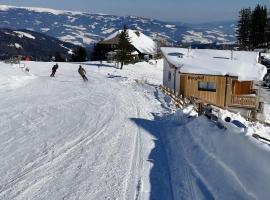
(189,87)
(241,88)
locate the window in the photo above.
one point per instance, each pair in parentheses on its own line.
(170,76)
(176,54)
(207,86)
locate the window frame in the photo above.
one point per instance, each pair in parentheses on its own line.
(207,88)
(169,76)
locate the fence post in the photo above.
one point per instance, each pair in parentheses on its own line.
(254,114)
(200,108)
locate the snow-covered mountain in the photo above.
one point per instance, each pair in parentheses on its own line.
(85,28)
(29,43)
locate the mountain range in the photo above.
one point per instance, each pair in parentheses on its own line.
(85,29)
(29,43)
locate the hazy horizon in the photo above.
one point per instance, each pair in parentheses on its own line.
(184,11)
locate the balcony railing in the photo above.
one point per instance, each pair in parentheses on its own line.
(245,101)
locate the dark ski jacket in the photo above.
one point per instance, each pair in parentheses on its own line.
(55,67)
(81,71)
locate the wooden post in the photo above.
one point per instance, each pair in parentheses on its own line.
(200,108)
(254,114)
(261,107)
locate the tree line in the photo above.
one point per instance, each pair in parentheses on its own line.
(253,28)
(79,54)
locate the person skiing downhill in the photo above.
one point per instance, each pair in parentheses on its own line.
(54,68)
(82,72)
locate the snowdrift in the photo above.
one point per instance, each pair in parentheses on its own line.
(211,163)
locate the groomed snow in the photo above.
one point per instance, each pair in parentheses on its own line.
(216,62)
(117,137)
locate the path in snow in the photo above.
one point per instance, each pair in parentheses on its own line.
(62,138)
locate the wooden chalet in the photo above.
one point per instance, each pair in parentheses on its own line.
(222,78)
(144,47)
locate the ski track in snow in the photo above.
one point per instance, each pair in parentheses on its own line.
(115,137)
(63,129)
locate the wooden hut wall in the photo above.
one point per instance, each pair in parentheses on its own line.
(241,88)
(190,86)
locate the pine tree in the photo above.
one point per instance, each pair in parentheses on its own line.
(268,29)
(98,52)
(258,26)
(79,54)
(58,57)
(124,49)
(243,28)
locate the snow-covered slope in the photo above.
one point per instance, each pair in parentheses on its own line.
(85,28)
(116,137)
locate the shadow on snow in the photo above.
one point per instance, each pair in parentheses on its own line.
(160,174)
(165,177)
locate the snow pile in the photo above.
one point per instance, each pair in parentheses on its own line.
(23,34)
(141,42)
(252,127)
(216,62)
(266,55)
(211,163)
(13,77)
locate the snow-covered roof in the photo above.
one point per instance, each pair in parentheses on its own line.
(216,62)
(140,41)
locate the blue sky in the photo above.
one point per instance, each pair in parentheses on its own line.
(167,10)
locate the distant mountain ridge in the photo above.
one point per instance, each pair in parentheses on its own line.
(86,29)
(28,43)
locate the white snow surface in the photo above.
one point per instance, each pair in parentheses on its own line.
(141,42)
(193,36)
(117,137)
(45,29)
(41,10)
(23,34)
(18,46)
(170,26)
(216,62)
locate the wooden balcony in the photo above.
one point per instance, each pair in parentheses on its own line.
(244,101)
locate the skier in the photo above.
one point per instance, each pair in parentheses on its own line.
(82,72)
(54,68)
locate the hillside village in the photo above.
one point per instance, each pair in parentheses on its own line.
(131,113)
